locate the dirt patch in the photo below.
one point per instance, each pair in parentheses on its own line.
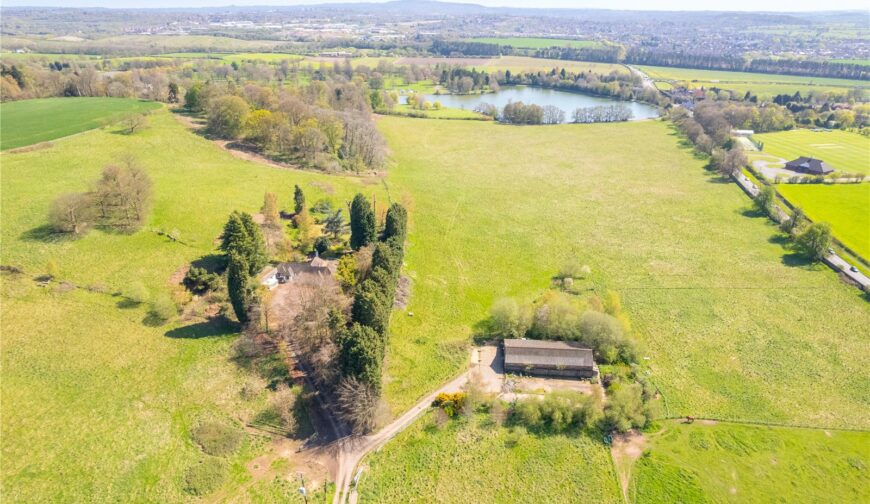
(625,450)
(403,293)
(708,422)
(179,275)
(31,148)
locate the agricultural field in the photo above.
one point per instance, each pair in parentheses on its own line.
(98,401)
(476,457)
(725,338)
(517,64)
(845,206)
(844,151)
(534,43)
(736,463)
(32,121)
(141,44)
(763,85)
(443,113)
(269,57)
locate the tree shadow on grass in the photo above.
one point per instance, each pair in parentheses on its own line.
(127,303)
(46,234)
(753,213)
(212,263)
(212,328)
(796,260)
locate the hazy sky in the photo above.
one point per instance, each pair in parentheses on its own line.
(746,5)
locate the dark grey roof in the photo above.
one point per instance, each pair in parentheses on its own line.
(810,165)
(522,352)
(286,269)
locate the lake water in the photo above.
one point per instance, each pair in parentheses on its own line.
(540,96)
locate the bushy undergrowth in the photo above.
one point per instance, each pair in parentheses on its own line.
(205,476)
(216,438)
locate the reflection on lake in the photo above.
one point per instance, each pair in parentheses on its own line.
(540,96)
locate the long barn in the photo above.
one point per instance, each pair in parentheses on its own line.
(564,359)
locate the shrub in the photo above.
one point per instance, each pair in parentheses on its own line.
(205,476)
(508,319)
(216,438)
(560,411)
(163,309)
(321,244)
(573,269)
(200,281)
(137,292)
(452,404)
(625,408)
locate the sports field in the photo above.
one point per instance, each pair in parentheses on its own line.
(27,122)
(534,43)
(736,463)
(845,206)
(763,85)
(843,150)
(98,403)
(496,210)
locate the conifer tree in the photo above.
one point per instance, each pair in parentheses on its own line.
(362,222)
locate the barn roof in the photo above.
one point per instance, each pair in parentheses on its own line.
(523,352)
(810,165)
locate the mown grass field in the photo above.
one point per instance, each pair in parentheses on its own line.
(28,122)
(845,206)
(763,85)
(718,301)
(534,43)
(735,463)
(843,150)
(443,113)
(474,460)
(97,403)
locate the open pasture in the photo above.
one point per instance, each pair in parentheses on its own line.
(28,122)
(845,206)
(738,463)
(718,302)
(98,402)
(843,150)
(428,463)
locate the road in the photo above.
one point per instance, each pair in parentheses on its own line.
(647,82)
(351,450)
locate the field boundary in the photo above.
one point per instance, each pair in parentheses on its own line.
(765,424)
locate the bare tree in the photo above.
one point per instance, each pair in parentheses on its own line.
(359,405)
(134,122)
(71,213)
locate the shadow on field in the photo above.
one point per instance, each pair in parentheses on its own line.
(213,263)
(46,234)
(796,260)
(212,328)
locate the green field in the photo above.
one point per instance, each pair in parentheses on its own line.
(863,62)
(534,43)
(763,85)
(734,463)
(844,151)
(97,402)
(845,206)
(238,57)
(474,460)
(28,122)
(496,211)
(443,113)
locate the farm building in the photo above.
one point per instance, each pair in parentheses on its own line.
(809,165)
(320,264)
(562,359)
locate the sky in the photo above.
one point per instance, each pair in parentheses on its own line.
(742,5)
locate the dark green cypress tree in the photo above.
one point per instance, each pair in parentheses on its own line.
(238,285)
(370,307)
(298,199)
(396,223)
(362,222)
(255,252)
(361,354)
(235,235)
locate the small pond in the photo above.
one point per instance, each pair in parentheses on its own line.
(540,96)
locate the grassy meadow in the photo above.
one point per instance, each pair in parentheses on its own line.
(735,463)
(98,402)
(845,206)
(534,43)
(843,150)
(763,85)
(475,460)
(28,122)
(496,210)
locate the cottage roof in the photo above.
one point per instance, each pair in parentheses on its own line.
(286,269)
(568,354)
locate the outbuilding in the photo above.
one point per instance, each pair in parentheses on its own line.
(809,165)
(563,359)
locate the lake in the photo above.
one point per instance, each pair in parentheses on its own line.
(540,96)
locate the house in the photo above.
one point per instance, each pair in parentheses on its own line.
(809,165)
(563,359)
(285,273)
(322,265)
